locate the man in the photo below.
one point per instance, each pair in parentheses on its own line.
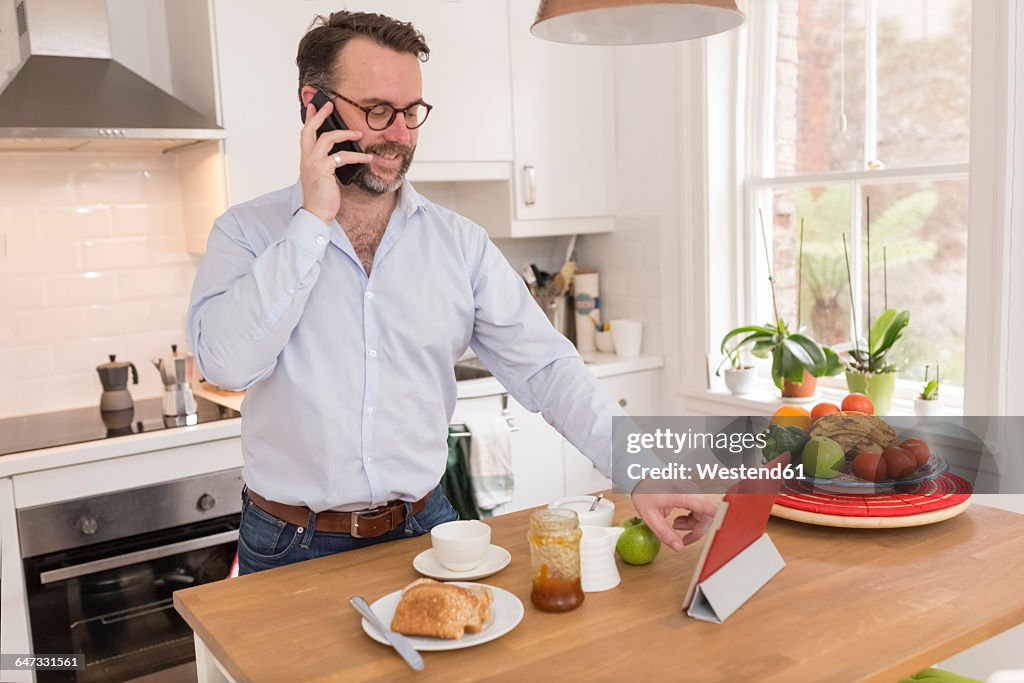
(341,309)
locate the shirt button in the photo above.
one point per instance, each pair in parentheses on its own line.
(369,411)
(291,291)
(367,459)
(320,241)
(369,295)
(371,353)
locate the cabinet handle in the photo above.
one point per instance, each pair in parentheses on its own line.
(623,402)
(529,186)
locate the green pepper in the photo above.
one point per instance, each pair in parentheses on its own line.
(781,439)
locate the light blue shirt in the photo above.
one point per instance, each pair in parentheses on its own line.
(349,378)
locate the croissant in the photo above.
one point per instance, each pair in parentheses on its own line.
(440,610)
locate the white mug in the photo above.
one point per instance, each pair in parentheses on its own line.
(627,337)
(461,545)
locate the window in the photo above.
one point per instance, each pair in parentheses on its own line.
(855,101)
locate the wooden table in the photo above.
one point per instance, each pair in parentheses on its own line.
(851,604)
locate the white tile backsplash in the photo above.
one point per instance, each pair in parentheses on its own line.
(69,358)
(629,261)
(102,254)
(27,292)
(156,283)
(96,265)
(152,220)
(82,222)
(26,362)
(30,256)
(81,289)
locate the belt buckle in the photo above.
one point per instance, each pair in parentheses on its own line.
(368,514)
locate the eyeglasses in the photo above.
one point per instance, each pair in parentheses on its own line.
(381,116)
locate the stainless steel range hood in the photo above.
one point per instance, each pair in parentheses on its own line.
(62,89)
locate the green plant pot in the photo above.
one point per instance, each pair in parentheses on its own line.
(879,387)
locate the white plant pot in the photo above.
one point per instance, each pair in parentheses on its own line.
(743,381)
(927,410)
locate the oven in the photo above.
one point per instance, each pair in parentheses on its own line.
(100,572)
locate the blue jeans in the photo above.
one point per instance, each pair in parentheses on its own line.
(265,542)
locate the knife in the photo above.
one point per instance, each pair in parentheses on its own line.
(397,640)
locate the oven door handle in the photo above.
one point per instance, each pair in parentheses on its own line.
(65,573)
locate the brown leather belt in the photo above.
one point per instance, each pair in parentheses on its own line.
(361,524)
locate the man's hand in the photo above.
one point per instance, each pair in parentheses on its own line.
(320,193)
(655,508)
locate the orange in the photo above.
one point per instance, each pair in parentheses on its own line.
(792,416)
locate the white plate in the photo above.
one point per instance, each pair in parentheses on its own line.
(506,613)
(426,563)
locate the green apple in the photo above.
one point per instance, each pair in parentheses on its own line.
(637,544)
(823,458)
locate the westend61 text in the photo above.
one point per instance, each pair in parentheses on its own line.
(709,472)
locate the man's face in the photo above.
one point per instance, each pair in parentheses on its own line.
(371,74)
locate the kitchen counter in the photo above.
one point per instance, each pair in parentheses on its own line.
(601,364)
(873,605)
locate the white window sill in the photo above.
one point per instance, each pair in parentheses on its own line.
(766,400)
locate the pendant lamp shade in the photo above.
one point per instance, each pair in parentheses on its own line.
(632,22)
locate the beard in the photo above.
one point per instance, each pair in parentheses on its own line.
(373,183)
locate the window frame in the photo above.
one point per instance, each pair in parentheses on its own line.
(759,77)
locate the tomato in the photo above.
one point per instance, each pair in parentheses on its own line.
(899,463)
(919,449)
(823,409)
(870,466)
(860,403)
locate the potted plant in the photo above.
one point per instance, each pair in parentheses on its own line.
(797,360)
(869,369)
(739,378)
(927,403)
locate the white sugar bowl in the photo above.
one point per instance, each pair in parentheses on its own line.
(599,516)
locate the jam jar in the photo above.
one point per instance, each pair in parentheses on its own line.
(555,555)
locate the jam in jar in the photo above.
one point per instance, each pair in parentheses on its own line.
(555,555)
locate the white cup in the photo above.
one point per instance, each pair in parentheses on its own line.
(461,545)
(600,516)
(604,341)
(627,337)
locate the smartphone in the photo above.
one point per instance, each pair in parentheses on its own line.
(348,172)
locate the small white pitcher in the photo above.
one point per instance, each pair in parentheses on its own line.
(598,570)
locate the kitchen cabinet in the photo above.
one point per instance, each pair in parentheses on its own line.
(637,392)
(563,107)
(563,116)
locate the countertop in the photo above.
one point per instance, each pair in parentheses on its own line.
(851,604)
(601,364)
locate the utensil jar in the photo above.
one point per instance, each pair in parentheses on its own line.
(555,556)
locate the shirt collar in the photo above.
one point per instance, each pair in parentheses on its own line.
(408,198)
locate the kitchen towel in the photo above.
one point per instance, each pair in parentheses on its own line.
(490,463)
(455,483)
(588,308)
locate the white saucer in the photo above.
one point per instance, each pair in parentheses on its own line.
(426,563)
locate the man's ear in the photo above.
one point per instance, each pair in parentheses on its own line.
(307,94)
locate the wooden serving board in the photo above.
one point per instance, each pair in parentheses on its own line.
(820,519)
(925,503)
(223,397)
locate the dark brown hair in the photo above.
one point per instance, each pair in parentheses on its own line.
(326,36)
